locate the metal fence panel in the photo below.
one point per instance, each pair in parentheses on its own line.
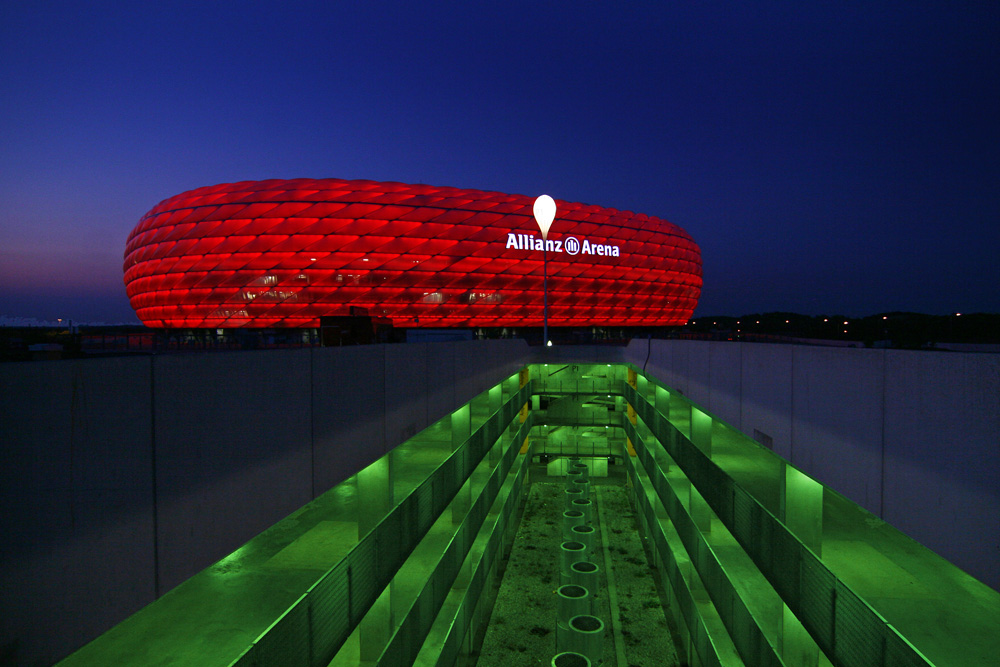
(858,641)
(330,622)
(362,578)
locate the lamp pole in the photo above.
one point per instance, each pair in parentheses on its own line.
(544,210)
(545,293)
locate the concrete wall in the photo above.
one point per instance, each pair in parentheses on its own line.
(914,437)
(122,477)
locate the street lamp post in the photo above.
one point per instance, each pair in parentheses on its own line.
(545,212)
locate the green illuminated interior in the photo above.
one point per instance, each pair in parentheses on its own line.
(758,562)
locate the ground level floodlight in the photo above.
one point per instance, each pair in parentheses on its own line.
(585,635)
(573,601)
(571,518)
(570,659)
(586,574)
(570,552)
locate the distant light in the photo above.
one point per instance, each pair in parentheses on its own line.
(958,314)
(312,259)
(825,319)
(786,321)
(845,323)
(885,317)
(549,344)
(545,212)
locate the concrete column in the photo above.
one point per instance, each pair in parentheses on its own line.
(801,507)
(375,500)
(701,514)
(679,408)
(660,454)
(795,645)
(661,401)
(643,430)
(375,497)
(496,398)
(701,430)
(642,386)
(461,426)
(496,452)
(461,429)
(698,591)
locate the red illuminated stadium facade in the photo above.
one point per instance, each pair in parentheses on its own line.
(283,253)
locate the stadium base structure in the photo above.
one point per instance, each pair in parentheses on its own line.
(757,562)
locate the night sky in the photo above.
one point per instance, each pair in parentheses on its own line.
(828,157)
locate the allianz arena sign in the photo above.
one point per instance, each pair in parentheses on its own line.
(570,244)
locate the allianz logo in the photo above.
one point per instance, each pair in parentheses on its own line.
(570,245)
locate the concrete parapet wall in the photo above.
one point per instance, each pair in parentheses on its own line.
(912,436)
(123,477)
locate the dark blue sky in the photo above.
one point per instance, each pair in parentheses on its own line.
(828,157)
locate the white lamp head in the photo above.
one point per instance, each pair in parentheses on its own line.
(545,213)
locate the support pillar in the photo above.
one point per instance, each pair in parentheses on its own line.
(796,647)
(801,508)
(375,501)
(461,429)
(496,452)
(701,431)
(496,398)
(679,408)
(661,401)
(642,386)
(701,513)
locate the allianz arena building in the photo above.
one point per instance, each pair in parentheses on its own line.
(284,253)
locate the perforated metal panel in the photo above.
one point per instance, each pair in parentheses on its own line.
(285,644)
(330,618)
(407,640)
(746,634)
(313,629)
(844,626)
(463,620)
